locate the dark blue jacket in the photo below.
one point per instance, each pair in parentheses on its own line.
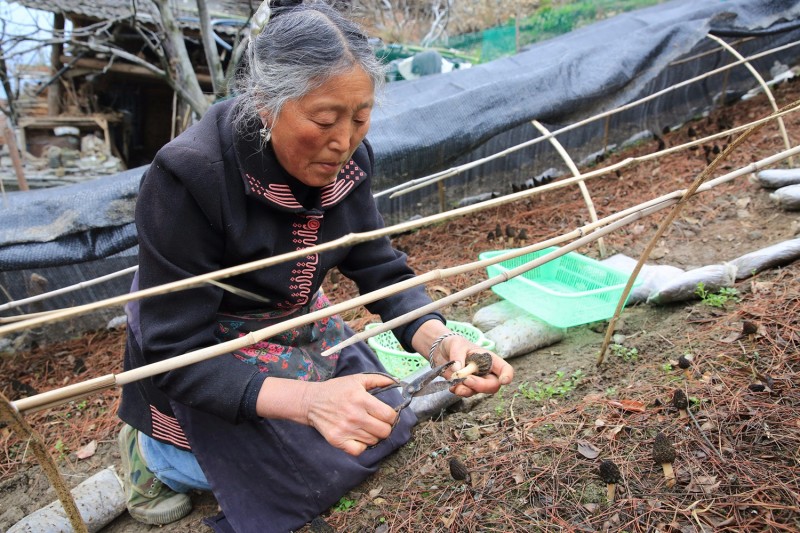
(214,198)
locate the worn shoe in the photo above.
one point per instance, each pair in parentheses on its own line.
(149,500)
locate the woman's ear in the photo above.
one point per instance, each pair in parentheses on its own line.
(265,120)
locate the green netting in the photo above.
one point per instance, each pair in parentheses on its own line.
(547,22)
(498,42)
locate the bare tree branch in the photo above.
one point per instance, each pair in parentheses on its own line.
(441,15)
(122,54)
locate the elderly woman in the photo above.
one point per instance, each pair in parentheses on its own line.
(276,431)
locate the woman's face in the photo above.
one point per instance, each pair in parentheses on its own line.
(317,134)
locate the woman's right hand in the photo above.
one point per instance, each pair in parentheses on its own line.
(341,409)
(346,414)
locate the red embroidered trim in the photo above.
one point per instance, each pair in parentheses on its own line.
(167,428)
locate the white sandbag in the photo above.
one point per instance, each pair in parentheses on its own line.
(787,198)
(779,254)
(684,287)
(100,499)
(522,335)
(495,314)
(653,277)
(775,178)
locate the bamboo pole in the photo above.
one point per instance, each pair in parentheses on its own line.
(79,390)
(67,289)
(764,86)
(350,239)
(53,316)
(587,198)
(500,278)
(413,185)
(9,415)
(698,182)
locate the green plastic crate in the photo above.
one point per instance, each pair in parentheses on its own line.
(568,291)
(400,363)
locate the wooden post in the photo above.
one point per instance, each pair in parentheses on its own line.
(54,90)
(11,141)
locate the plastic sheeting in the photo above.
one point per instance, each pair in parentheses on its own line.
(474,113)
(75,223)
(436,122)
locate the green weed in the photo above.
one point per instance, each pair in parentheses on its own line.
(718,299)
(344,504)
(560,386)
(500,408)
(61,448)
(629,355)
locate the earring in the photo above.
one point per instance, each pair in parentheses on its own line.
(266,134)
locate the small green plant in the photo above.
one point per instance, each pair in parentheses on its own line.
(666,367)
(559,386)
(629,355)
(344,504)
(718,299)
(500,408)
(61,448)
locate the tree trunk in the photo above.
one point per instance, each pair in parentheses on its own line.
(184,81)
(10,97)
(56,51)
(210,47)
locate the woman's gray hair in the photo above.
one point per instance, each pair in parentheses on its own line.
(297,51)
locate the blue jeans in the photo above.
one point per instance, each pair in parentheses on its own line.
(177,468)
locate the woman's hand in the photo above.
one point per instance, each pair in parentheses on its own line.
(457,348)
(454,347)
(341,409)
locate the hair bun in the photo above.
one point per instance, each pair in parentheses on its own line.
(285,4)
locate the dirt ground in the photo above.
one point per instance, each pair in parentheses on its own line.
(533,450)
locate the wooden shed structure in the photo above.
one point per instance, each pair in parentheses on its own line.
(131,108)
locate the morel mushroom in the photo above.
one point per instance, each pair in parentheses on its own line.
(749,328)
(458,470)
(681,403)
(685,363)
(610,475)
(479,364)
(664,454)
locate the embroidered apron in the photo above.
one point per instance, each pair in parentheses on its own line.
(277,475)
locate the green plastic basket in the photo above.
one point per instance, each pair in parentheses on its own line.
(400,363)
(568,291)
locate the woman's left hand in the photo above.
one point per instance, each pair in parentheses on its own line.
(457,348)
(440,345)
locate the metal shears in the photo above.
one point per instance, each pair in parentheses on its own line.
(420,386)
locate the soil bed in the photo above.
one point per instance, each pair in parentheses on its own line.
(533,450)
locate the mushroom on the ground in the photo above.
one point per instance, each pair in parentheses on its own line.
(681,403)
(749,328)
(458,470)
(664,454)
(609,473)
(685,363)
(479,364)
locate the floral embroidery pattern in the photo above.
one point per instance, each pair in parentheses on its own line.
(293,354)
